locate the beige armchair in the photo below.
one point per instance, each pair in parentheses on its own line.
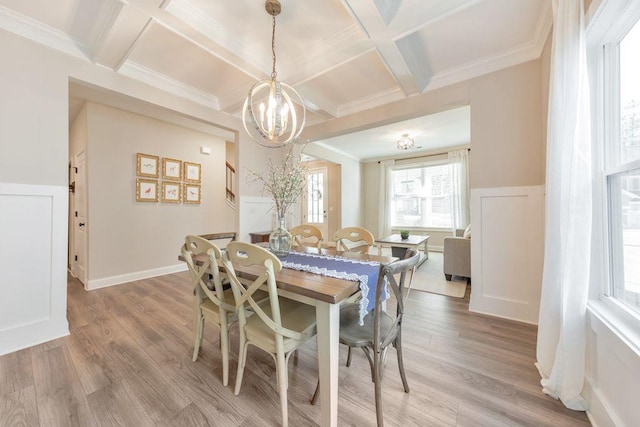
(457,256)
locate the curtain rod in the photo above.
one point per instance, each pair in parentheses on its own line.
(426,155)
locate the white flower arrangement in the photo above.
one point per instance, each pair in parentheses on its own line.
(285,181)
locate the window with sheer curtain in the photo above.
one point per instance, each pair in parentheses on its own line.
(422,196)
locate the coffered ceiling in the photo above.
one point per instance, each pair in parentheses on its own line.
(343,56)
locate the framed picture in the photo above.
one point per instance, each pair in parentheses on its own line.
(192,193)
(147,165)
(191,172)
(171,192)
(146,190)
(171,169)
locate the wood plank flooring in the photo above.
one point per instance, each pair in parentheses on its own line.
(128,362)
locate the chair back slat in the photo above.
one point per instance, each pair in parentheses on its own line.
(388,274)
(345,239)
(301,234)
(248,255)
(195,245)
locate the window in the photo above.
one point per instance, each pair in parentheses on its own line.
(422,197)
(315,197)
(622,167)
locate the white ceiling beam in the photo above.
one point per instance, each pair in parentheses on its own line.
(117,40)
(368,15)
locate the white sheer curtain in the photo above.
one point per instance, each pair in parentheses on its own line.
(459,164)
(565,282)
(386,195)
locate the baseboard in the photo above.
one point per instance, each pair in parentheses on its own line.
(501,316)
(599,412)
(136,275)
(24,336)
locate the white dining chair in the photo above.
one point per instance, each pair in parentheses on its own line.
(279,325)
(210,300)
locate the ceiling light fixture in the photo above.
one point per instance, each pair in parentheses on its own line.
(405,142)
(276,123)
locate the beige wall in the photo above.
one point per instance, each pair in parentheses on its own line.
(507,135)
(126,236)
(508,118)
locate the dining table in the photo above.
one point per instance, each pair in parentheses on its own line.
(326,294)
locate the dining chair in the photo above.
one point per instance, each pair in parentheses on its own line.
(305,234)
(380,328)
(278,327)
(227,235)
(210,300)
(354,239)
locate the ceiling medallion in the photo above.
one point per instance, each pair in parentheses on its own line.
(273,114)
(405,142)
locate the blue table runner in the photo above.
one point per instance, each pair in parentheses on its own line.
(365,272)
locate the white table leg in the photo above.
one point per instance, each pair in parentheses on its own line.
(328,317)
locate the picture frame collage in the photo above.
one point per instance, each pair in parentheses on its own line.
(181,180)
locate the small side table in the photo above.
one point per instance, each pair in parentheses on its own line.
(259,236)
(413,241)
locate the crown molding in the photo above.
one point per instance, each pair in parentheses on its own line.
(543,26)
(162,82)
(43,34)
(523,53)
(372,101)
(335,150)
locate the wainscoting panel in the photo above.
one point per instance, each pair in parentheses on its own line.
(507,249)
(255,215)
(33,259)
(612,382)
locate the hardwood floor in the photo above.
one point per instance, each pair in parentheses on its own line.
(128,362)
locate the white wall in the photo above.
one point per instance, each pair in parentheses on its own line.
(507,248)
(612,383)
(33,298)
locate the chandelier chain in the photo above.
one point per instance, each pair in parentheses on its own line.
(273,47)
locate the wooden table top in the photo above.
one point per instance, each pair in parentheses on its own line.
(322,288)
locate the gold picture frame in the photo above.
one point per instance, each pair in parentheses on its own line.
(146,190)
(171,169)
(147,165)
(192,172)
(192,193)
(171,192)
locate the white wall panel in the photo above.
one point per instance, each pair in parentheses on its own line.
(507,251)
(612,383)
(255,215)
(33,226)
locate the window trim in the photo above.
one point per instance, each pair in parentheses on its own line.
(612,20)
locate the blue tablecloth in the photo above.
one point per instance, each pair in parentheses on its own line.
(365,272)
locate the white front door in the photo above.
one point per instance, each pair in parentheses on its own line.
(315,206)
(78,267)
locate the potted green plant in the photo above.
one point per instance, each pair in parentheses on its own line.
(404,234)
